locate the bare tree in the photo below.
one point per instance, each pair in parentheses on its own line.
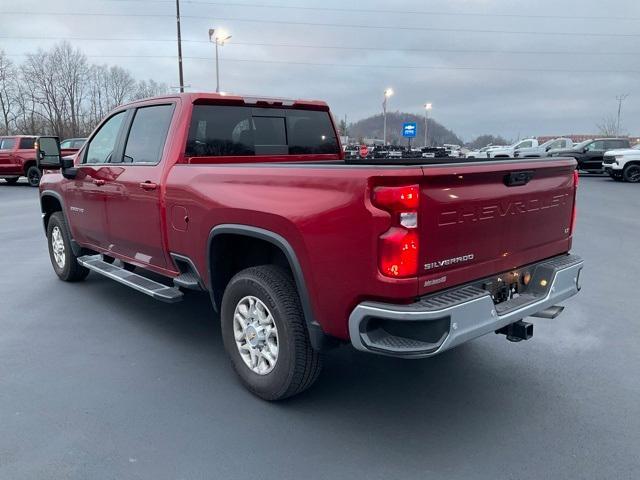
(608,127)
(150,88)
(58,92)
(8,92)
(71,82)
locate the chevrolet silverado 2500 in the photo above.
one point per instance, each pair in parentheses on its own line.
(251,200)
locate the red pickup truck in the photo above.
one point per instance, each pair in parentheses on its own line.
(251,200)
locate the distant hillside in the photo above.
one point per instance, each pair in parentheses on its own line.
(372,127)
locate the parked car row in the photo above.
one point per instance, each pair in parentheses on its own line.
(353,152)
(18,157)
(613,156)
(590,153)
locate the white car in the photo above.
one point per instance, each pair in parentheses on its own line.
(509,152)
(623,164)
(543,150)
(483,152)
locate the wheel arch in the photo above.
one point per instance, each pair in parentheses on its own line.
(51,202)
(27,165)
(267,247)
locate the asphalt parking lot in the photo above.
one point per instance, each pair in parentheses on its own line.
(98,381)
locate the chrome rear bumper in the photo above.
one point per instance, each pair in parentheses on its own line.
(438,322)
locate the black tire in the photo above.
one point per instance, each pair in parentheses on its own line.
(12,180)
(71,270)
(631,173)
(298,364)
(33,175)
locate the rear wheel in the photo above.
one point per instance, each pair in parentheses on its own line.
(12,180)
(264,333)
(631,173)
(64,261)
(33,176)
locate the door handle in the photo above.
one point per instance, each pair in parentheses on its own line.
(148,185)
(98,182)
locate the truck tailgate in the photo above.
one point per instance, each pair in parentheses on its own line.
(486,218)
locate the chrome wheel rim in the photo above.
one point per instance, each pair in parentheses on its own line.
(57,246)
(256,335)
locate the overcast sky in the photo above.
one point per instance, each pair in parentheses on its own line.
(562,79)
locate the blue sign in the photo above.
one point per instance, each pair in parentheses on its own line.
(409,129)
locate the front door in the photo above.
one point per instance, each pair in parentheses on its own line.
(133,190)
(593,156)
(85,194)
(7,145)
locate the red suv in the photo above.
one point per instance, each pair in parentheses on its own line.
(18,158)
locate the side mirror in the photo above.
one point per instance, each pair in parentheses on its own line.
(48,153)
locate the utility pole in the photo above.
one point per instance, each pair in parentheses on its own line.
(179,46)
(620,99)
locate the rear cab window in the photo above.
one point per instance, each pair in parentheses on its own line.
(613,144)
(7,143)
(220,130)
(27,143)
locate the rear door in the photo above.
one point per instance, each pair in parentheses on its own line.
(133,191)
(25,151)
(476,222)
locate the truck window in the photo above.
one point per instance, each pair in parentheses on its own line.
(596,146)
(310,132)
(234,131)
(27,143)
(269,136)
(613,144)
(148,134)
(7,143)
(103,143)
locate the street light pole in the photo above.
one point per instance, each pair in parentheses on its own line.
(387,93)
(427,107)
(218,38)
(217,70)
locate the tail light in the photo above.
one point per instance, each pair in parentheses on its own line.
(398,246)
(574,214)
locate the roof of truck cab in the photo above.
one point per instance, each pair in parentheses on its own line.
(231,98)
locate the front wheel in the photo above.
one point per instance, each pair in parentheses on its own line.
(33,176)
(64,261)
(264,333)
(631,173)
